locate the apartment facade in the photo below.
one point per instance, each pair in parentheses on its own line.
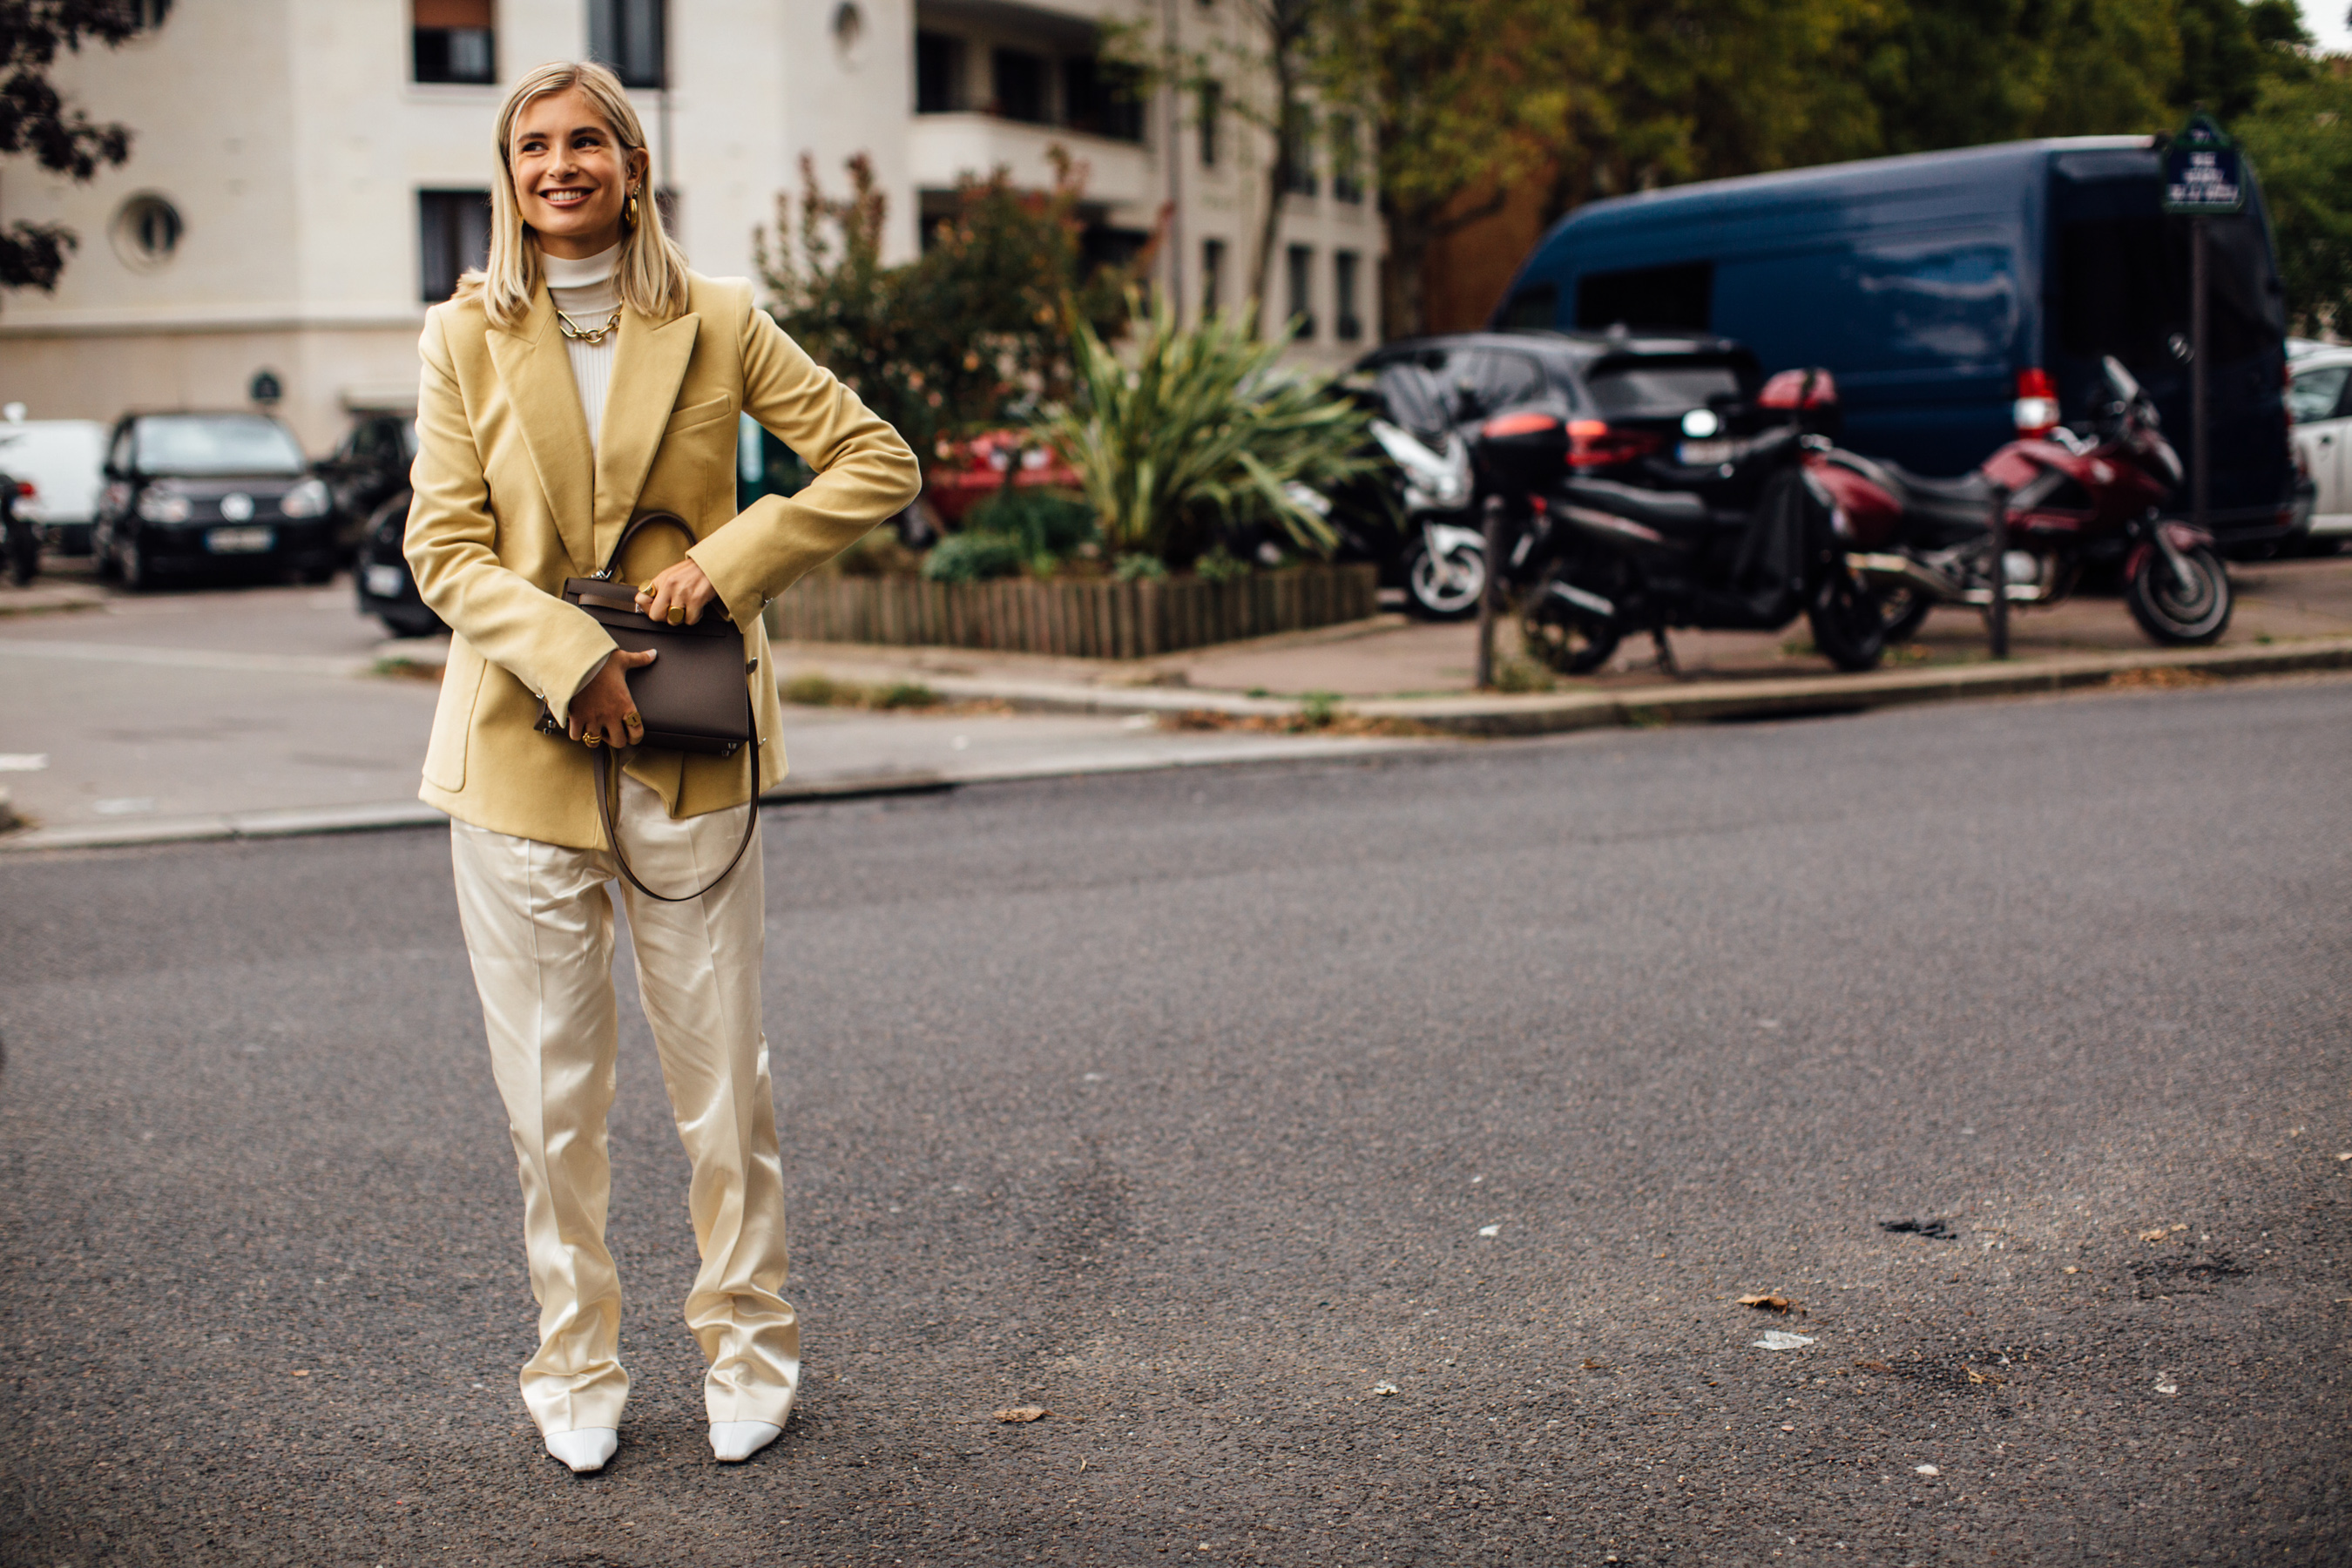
(309,175)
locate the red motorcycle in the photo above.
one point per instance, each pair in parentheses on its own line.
(2075,501)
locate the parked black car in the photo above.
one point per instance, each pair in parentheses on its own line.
(1614,401)
(386,590)
(197,493)
(368,469)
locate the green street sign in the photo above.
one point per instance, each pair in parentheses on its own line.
(2203,175)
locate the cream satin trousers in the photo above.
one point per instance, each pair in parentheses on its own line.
(539,927)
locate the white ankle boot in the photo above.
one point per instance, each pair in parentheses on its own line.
(584,1448)
(735,1441)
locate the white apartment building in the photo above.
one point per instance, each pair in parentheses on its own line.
(308,176)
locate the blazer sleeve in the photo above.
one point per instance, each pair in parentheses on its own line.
(864,472)
(550,646)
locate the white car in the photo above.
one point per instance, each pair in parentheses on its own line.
(60,458)
(2319,407)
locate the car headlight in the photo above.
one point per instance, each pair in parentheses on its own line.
(164,506)
(308,498)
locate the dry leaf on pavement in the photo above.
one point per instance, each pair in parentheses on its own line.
(1024,1413)
(1768,1302)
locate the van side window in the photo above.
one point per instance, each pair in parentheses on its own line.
(1680,297)
(1533,309)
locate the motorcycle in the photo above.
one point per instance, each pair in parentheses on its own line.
(1730,534)
(2073,501)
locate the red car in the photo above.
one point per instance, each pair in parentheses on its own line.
(976,467)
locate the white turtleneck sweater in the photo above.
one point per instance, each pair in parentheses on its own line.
(583,290)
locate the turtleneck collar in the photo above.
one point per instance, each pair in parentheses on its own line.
(585,273)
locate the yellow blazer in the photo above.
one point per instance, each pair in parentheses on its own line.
(508,503)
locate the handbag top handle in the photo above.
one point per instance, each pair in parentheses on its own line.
(642,521)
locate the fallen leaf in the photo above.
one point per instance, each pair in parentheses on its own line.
(1771,1303)
(1024,1413)
(1385,1389)
(1976,1376)
(1593,1366)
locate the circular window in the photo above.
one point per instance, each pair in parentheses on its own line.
(147,231)
(848,30)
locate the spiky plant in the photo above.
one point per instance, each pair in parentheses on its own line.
(1198,426)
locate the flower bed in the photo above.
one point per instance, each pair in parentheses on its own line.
(1091,618)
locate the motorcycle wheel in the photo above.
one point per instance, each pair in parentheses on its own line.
(1567,642)
(1904,611)
(1445,589)
(2171,612)
(1848,621)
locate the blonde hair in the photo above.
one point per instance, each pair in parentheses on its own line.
(651,276)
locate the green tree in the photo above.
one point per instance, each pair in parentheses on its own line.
(34,118)
(973,334)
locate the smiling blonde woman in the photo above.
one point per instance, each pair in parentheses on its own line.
(585,377)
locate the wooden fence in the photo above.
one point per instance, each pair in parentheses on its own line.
(1093,618)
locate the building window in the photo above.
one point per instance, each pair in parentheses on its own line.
(1346,267)
(1019,84)
(1346,159)
(1213,276)
(1213,111)
(1298,150)
(453,234)
(1101,98)
(147,232)
(939,73)
(1302,285)
(633,38)
(449,40)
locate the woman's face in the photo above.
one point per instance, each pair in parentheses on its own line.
(571,177)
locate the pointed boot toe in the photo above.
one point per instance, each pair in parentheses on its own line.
(584,1448)
(735,1441)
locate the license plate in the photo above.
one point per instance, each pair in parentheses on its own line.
(385,582)
(1703,454)
(239,541)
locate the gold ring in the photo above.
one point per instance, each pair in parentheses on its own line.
(633,721)
(677,614)
(592,741)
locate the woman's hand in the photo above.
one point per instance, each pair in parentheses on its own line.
(605,714)
(680,593)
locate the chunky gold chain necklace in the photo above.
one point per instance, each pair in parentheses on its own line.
(593,336)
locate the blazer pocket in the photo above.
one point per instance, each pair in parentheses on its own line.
(703,413)
(453,718)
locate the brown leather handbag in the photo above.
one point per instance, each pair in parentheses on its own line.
(695,697)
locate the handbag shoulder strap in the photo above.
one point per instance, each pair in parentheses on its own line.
(606,783)
(643,521)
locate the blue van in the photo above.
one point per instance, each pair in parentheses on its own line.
(1949,291)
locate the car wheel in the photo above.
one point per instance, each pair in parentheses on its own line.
(138,572)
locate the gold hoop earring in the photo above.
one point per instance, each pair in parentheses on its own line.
(629,214)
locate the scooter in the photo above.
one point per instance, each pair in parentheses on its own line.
(1730,536)
(2069,500)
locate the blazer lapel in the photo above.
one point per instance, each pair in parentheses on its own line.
(647,366)
(537,375)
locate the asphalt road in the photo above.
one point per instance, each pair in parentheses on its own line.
(1198,1108)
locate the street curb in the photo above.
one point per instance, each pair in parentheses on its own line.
(1717,701)
(313,821)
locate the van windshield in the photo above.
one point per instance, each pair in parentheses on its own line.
(197,444)
(1659,388)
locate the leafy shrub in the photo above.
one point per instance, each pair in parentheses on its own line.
(1220,565)
(1201,427)
(973,557)
(1136,565)
(1046,524)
